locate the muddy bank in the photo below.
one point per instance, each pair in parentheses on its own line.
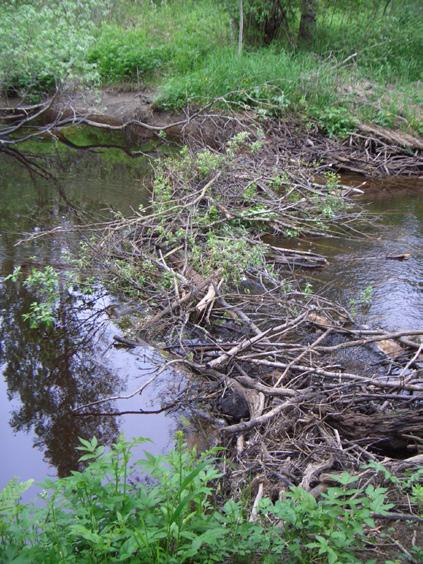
(371,150)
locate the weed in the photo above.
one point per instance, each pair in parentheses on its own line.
(105,513)
(335,121)
(308,290)
(367,295)
(207,162)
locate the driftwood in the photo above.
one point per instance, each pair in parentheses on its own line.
(393,431)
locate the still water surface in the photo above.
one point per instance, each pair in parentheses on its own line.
(395,287)
(45,374)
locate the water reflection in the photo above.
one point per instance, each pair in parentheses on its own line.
(51,371)
(46,373)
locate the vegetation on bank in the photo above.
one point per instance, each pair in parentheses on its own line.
(363,61)
(110,512)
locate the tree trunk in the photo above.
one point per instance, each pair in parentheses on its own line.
(274,21)
(308,21)
(395,434)
(241,27)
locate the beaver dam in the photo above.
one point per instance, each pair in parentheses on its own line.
(267,343)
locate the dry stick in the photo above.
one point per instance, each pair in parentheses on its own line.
(338,375)
(378,337)
(254,510)
(237,313)
(177,303)
(411,361)
(222,359)
(248,382)
(313,470)
(246,425)
(300,356)
(155,128)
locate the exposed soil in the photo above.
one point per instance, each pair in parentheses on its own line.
(371,151)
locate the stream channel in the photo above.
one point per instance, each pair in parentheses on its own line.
(46,373)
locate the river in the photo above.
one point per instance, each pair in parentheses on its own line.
(47,373)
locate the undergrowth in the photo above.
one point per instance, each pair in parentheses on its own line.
(363,64)
(169,509)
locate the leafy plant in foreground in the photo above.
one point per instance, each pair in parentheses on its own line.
(109,513)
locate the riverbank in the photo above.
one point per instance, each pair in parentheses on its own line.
(363,65)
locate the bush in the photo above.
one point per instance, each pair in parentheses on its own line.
(44,43)
(128,55)
(108,513)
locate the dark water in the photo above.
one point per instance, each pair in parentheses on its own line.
(45,373)
(385,293)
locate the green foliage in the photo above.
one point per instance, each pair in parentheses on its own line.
(335,121)
(207,162)
(267,80)
(107,513)
(127,56)
(409,484)
(363,301)
(43,43)
(385,36)
(187,49)
(173,36)
(231,252)
(327,530)
(45,285)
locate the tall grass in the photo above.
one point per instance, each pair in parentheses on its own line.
(365,61)
(269,74)
(388,44)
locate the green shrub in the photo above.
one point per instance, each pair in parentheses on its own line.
(109,512)
(128,55)
(44,43)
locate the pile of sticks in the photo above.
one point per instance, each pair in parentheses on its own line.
(285,403)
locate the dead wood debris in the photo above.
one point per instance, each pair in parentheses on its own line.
(245,324)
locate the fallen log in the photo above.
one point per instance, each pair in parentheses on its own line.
(392,432)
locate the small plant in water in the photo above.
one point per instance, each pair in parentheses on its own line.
(367,295)
(45,284)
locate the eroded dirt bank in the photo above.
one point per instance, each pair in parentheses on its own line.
(370,150)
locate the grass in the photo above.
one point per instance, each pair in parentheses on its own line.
(186,51)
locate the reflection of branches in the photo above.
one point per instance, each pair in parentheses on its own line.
(133,154)
(23,123)
(31,166)
(167,407)
(134,393)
